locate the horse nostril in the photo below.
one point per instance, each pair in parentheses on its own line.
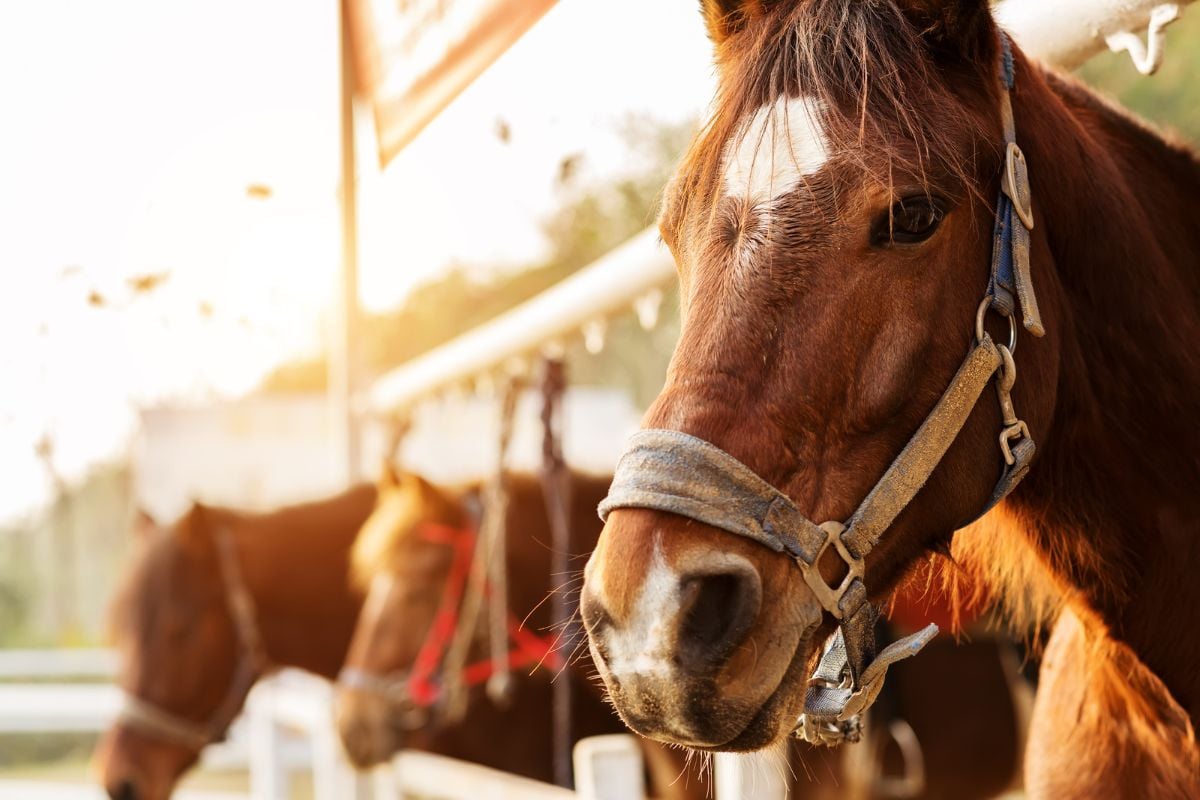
(716,613)
(124,790)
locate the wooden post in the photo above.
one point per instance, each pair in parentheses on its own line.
(343,344)
(556,486)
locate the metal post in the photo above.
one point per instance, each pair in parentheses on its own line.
(556,486)
(343,343)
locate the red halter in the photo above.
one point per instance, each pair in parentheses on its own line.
(528,649)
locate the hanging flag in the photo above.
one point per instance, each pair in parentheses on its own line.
(412,57)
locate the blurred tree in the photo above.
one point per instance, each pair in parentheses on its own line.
(592,220)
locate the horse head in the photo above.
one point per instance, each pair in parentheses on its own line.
(180,657)
(403,559)
(832,227)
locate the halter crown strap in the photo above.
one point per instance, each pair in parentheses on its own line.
(1011,271)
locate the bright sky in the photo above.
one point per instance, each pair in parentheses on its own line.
(133,128)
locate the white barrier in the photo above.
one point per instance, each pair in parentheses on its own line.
(67,663)
(609,768)
(753,776)
(1069,32)
(607,287)
(440,778)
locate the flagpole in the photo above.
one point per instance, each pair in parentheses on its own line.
(343,349)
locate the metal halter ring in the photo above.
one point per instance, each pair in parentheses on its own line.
(829,597)
(981,313)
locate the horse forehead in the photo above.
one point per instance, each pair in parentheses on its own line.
(776,148)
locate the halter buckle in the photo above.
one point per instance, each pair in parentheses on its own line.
(830,598)
(1015,184)
(1013,433)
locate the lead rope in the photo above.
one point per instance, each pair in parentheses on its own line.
(556,488)
(500,684)
(487,566)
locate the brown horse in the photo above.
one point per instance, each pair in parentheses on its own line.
(409,552)
(833,231)
(209,606)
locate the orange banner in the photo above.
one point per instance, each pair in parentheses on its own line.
(412,57)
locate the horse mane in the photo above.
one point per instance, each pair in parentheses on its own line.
(873,74)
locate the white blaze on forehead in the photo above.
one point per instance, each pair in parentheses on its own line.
(643,642)
(782,142)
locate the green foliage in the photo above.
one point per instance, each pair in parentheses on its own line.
(1170,98)
(592,220)
(59,566)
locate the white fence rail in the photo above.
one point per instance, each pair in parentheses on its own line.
(49,664)
(1069,32)
(1064,32)
(287,728)
(608,287)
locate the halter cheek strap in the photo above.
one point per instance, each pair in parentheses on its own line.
(670,471)
(253,662)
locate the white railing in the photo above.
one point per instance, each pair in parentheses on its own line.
(1064,32)
(287,728)
(1069,32)
(66,663)
(636,269)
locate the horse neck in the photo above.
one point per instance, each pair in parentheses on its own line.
(1110,507)
(296,567)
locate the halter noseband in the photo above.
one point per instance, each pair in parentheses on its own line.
(253,662)
(671,471)
(419,691)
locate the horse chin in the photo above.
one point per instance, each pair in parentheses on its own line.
(776,717)
(722,726)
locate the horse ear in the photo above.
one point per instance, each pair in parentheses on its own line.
(389,476)
(192,530)
(145,527)
(724,18)
(422,489)
(950,26)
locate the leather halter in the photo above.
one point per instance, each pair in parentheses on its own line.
(419,690)
(671,471)
(253,663)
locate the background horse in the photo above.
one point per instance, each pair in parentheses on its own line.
(405,557)
(832,227)
(188,659)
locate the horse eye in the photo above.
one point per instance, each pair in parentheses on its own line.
(912,220)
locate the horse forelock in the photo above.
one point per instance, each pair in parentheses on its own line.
(399,512)
(863,77)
